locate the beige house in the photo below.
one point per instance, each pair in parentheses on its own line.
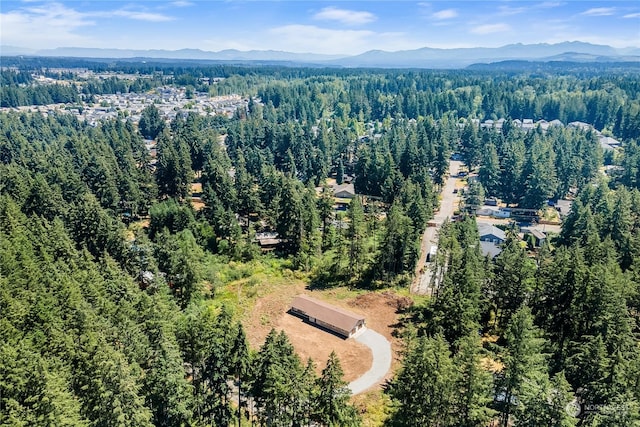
(342,322)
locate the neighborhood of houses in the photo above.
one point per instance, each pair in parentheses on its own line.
(492,237)
(534,232)
(606,142)
(169,100)
(494,217)
(172,101)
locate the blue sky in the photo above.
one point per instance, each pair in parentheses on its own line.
(329,27)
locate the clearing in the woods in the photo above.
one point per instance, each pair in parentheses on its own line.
(263,303)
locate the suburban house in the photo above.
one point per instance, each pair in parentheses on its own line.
(344,191)
(491,237)
(491,233)
(563,206)
(607,143)
(268,241)
(490,249)
(496,213)
(580,125)
(524,124)
(613,170)
(342,322)
(503,213)
(486,212)
(527,124)
(491,201)
(544,125)
(538,237)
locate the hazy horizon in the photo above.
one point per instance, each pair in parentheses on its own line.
(319,27)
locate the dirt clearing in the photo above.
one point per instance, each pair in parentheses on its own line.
(270,311)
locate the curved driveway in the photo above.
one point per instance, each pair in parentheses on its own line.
(381,351)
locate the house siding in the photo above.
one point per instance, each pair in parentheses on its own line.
(322,314)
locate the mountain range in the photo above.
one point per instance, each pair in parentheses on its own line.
(418,58)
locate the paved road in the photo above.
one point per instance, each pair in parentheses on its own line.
(448,204)
(381,350)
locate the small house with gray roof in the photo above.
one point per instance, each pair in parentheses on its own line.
(491,233)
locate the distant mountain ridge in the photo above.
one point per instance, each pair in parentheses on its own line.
(223,55)
(425,57)
(461,57)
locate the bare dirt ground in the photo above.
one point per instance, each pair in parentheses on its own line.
(270,311)
(196,200)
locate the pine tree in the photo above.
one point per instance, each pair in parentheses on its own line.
(168,394)
(470,145)
(473,386)
(398,250)
(325,211)
(441,162)
(525,372)
(107,383)
(340,173)
(455,311)
(179,257)
(151,123)
(423,390)
(290,225)
(489,174)
(240,357)
(356,237)
(538,174)
(333,396)
(246,191)
(511,167)
(174,174)
(309,387)
(512,283)
(275,386)
(474,197)
(310,243)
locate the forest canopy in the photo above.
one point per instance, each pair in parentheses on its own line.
(113,235)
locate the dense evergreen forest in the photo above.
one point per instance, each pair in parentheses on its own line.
(110,278)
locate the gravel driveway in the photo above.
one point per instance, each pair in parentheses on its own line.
(448,204)
(381,350)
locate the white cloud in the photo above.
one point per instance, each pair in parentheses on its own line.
(549,4)
(310,38)
(347,17)
(305,38)
(510,10)
(445,14)
(490,28)
(182,3)
(138,16)
(40,26)
(599,11)
(54,24)
(632,15)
